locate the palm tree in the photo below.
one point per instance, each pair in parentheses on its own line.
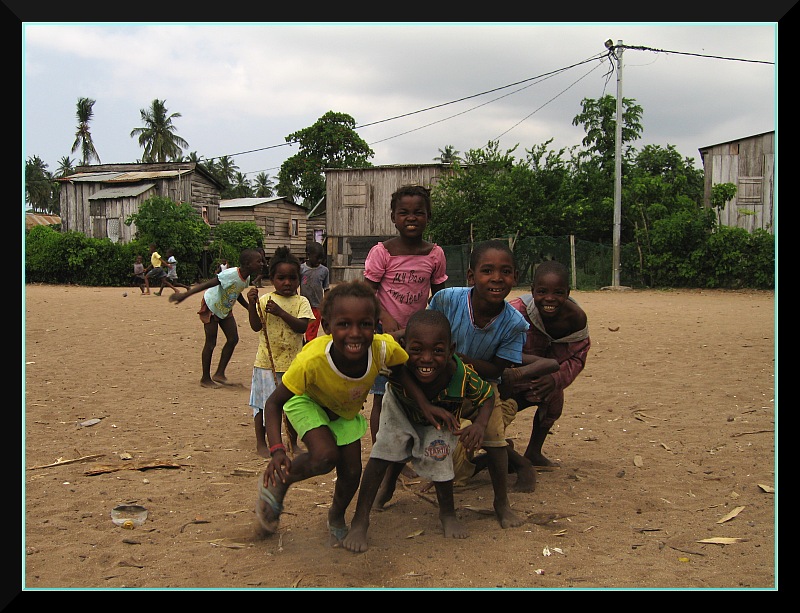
(39,186)
(226,169)
(83,138)
(157,137)
(448,156)
(66,166)
(264,185)
(241,186)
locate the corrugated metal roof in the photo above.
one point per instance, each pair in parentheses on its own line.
(122,177)
(239,202)
(121,191)
(34,219)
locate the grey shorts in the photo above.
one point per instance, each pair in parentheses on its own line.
(398,440)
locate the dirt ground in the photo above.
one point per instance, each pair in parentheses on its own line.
(667,450)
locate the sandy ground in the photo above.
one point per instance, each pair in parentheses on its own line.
(667,450)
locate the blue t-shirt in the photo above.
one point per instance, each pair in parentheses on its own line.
(502,337)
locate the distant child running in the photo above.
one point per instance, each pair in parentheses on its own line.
(322,394)
(156,271)
(216,311)
(558,330)
(138,273)
(287,315)
(404,270)
(171,280)
(405,433)
(488,334)
(315,280)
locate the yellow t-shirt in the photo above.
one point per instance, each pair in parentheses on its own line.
(284,342)
(313,373)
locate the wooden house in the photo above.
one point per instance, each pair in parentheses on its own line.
(358,208)
(748,163)
(40,219)
(281,221)
(96,200)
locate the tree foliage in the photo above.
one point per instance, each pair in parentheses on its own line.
(331,142)
(41,191)
(157,136)
(83,136)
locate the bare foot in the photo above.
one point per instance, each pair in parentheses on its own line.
(356,539)
(526,480)
(221,379)
(507,517)
(209,383)
(453,528)
(537,459)
(384,495)
(263,451)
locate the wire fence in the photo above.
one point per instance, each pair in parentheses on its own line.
(590,264)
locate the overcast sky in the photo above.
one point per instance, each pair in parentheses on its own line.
(241,89)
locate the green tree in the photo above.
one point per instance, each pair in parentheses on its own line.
(448,155)
(721,194)
(264,185)
(83,137)
(331,142)
(38,186)
(241,186)
(161,221)
(66,166)
(157,137)
(599,120)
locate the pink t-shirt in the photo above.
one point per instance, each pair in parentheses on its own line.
(405,280)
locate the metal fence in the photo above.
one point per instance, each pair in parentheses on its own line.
(590,264)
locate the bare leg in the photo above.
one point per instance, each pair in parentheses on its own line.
(262,449)
(375,415)
(231,332)
(498,470)
(388,485)
(348,475)
(451,525)
(534,451)
(374,473)
(322,460)
(208,352)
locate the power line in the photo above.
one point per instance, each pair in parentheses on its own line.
(714,57)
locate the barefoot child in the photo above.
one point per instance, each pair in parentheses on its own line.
(287,315)
(216,311)
(405,433)
(138,272)
(488,334)
(404,270)
(322,394)
(558,330)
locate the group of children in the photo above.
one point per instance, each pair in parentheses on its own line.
(449,368)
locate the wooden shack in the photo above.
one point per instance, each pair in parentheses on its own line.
(282,222)
(748,163)
(96,200)
(359,213)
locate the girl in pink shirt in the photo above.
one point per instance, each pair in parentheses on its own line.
(405,272)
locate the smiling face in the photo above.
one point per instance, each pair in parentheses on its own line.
(410,216)
(352,324)
(286,279)
(550,292)
(493,278)
(252,264)
(430,353)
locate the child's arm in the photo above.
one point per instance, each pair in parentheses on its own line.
(181,296)
(523,378)
(437,416)
(471,437)
(280,464)
(486,369)
(252,310)
(298,325)
(388,323)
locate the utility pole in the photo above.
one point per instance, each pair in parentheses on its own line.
(617,51)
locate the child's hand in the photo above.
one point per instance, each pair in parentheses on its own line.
(273,308)
(540,388)
(252,295)
(278,468)
(471,437)
(439,417)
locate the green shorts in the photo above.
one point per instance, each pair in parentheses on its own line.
(304,414)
